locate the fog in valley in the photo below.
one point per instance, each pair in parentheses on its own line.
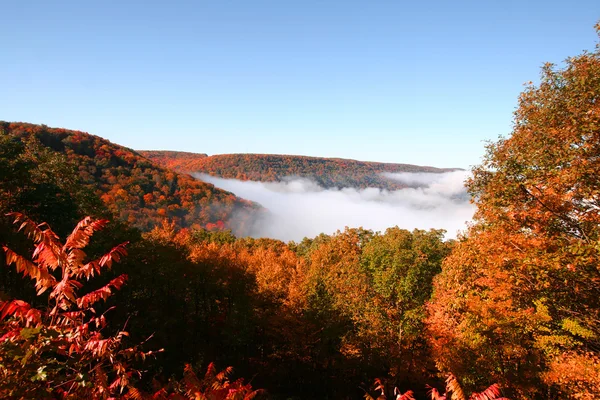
(300,208)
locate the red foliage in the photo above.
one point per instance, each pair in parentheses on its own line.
(31,340)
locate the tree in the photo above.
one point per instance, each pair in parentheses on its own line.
(368,292)
(59,351)
(518,300)
(400,266)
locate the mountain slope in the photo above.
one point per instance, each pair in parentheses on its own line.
(328,172)
(135,189)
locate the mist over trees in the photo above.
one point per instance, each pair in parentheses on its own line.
(297,208)
(512,303)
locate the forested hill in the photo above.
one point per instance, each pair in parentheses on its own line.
(130,186)
(328,172)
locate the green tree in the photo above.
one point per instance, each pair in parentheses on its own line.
(400,266)
(370,290)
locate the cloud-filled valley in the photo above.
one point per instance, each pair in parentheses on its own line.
(300,208)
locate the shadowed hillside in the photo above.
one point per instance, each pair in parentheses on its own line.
(133,188)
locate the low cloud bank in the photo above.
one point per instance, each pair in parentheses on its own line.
(301,208)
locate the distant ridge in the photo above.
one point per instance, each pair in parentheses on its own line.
(327,172)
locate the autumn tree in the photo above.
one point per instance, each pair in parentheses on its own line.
(62,351)
(369,290)
(43,183)
(131,187)
(518,301)
(59,350)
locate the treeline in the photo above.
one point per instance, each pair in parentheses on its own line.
(327,172)
(317,319)
(131,187)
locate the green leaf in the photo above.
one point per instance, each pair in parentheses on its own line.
(40,375)
(29,333)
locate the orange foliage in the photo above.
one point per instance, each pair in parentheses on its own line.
(132,187)
(328,172)
(517,301)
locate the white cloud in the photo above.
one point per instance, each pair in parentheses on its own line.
(301,208)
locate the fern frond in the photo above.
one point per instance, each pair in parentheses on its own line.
(80,237)
(490,393)
(114,255)
(103,293)
(43,278)
(435,395)
(75,258)
(134,394)
(210,371)
(162,394)
(253,394)
(223,375)
(453,386)
(191,381)
(37,232)
(100,378)
(408,395)
(20,309)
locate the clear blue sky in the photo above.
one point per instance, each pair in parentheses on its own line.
(421,82)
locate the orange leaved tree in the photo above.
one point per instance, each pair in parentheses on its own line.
(518,300)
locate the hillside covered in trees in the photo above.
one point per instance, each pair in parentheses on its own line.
(131,187)
(511,309)
(327,172)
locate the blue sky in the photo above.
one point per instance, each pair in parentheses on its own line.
(414,82)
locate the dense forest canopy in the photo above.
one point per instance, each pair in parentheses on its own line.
(509,310)
(326,172)
(134,189)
